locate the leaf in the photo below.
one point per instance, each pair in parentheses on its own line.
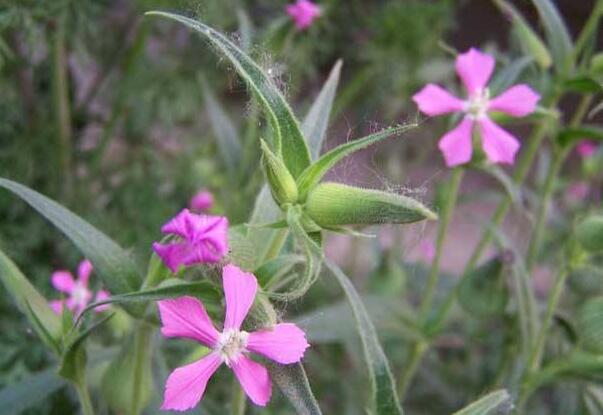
(558,38)
(265,211)
(509,75)
(293,383)
(384,395)
(30,391)
(483,291)
(276,268)
(571,135)
(288,139)
(313,174)
(229,144)
(315,124)
(30,302)
(583,84)
(111,262)
(495,403)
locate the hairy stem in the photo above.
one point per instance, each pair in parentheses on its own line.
(238,399)
(416,355)
(84,398)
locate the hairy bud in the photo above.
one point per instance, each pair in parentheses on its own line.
(281,182)
(590,233)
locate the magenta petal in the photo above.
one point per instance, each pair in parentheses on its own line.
(63,281)
(239,291)
(202,200)
(474,68)
(56,306)
(186,317)
(456,145)
(285,343)
(102,295)
(435,100)
(254,379)
(185,385)
(175,254)
(498,144)
(519,100)
(84,270)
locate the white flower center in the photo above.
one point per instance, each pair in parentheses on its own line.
(79,294)
(231,344)
(477,105)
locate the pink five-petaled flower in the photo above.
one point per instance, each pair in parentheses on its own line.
(202,200)
(186,317)
(202,239)
(303,13)
(586,148)
(78,293)
(475,68)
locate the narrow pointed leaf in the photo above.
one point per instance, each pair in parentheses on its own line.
(314,126)
(288,138)
(558,37)
(313,174)
(32,390)
(111,262)
(293,383)
(495,403)
(568,136)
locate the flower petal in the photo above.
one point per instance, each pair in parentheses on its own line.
(254,379)
(57,306)
(456,145)
(185,385)
(284,343)
(435,100)
(498,144)
(474,68)
(186,317)
(519,100)
(84,270)
(175,254)
(202,200)
(239,291)
(102,295)
(62,281)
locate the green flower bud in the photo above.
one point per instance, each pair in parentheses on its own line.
(590,325)
(282,184)
(333,204)
(589,233)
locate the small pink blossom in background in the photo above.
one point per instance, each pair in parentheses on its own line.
(200,239)
(586,148)
(78,293)
(303,13)
(577,192)
(203,200)
(475,69)
(426,250)
(186,317)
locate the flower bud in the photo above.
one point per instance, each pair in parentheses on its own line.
(590,325)
(334,204)
(589,233)
(282,184)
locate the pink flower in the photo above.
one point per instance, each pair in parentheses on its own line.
(586,148)
(577,192)
(201,239)
(201,201)
(186,317)
(78,293)
(303,13)
(475,68)
(426,250)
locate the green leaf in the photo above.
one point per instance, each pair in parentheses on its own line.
(569,136)
(495,403)
(288,139)
(483,291)
(229,144)
(111,262)
(275,269)
(558,37)
(509,75)
(314,126)
(583,84)
(31,302)
(281,182)
(28,392)
(265,211)
(313,174)
(293,383)
(384,395)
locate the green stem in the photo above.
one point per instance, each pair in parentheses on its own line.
(276,244)
(238,399)
(590,27)
(446,215)
(142,352)
(84,398)
(416,355)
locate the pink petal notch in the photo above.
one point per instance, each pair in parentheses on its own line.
(186,385)
(456,145)
(475,69)
(239,291)
(284,343)
(499,145)
(62,281)
(435,100)
(200,239)
(518,101)
(84,270)
(254,380)
(186,317)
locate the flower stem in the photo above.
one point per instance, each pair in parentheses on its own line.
(416,355)
(278,239)
(84,398)
(238,399)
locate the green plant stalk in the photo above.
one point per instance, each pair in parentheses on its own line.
(142,345)
(84,397)
(60,86)
(416,355)
(589,29)
(278,239)
(238,399)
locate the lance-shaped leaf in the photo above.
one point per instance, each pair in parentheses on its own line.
(293,383)
(46,323)
(572,135)
(384,395)
(111,262)
(288,139)
(334,204)
(313,174)
(495,403)
(314,126)
(558,38)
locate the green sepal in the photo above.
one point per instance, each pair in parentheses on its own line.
(281,182)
